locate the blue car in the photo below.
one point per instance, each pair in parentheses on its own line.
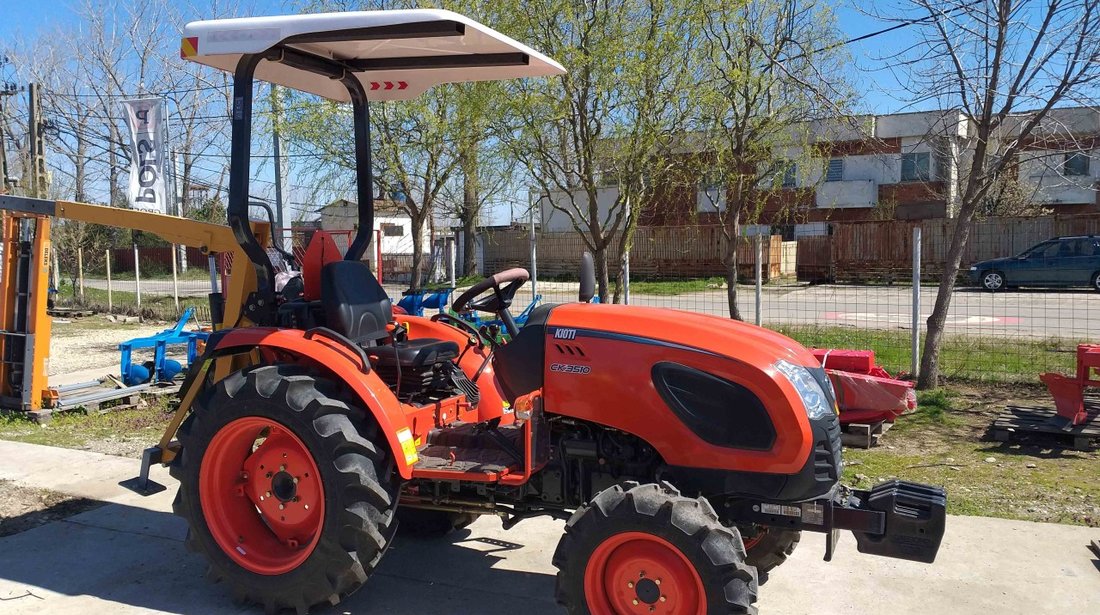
(1062,261)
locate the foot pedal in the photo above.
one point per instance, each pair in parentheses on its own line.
(141,484)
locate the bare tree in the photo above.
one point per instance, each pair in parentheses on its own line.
(1005,65)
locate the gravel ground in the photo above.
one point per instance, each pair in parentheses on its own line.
(92,342)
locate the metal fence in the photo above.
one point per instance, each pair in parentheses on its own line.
(855,288)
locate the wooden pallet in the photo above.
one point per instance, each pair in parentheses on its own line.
(69,312)
(864,435)
(1019,421)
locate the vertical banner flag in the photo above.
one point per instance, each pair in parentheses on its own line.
(148,160)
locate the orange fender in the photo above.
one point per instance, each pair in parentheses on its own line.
(348,368)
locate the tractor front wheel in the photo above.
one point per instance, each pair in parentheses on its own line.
(768,547)
(287,490)
(647,549)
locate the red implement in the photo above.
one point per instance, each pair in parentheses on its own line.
(1069,392)
(865,392)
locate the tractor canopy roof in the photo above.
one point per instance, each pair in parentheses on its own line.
(396,54)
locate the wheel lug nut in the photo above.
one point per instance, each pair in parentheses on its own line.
(657,581)
(282,506)
(268,475)
(295,480)
(663,598)
(283,467)
(268,494)
(307,506)
(635,602)
(630,584)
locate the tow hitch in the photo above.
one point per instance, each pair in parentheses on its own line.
(896,519)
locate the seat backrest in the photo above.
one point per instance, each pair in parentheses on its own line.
(355,303)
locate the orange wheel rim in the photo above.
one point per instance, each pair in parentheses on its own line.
(261,495)
(635,572)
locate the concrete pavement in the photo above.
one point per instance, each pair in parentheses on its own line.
(128,557)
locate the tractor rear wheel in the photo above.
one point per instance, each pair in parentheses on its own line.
(425,522)
(287,490)
(645,547)
(768,547)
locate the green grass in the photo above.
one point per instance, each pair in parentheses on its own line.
(156,306)
(193,272)
(943,443)
(962,357)
(676,287)
(81,430)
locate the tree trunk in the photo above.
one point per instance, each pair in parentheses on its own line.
(731,287)
(471,206)
(933,340)
(602,279)
(417,271)
(79,193)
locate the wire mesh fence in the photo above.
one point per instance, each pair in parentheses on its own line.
(1025,296)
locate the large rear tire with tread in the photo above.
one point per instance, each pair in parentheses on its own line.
(258,448)
(637,545)
(768,547)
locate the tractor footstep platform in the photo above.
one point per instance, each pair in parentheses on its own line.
(142,486)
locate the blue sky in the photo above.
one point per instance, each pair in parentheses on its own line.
(878,89)
(26,17)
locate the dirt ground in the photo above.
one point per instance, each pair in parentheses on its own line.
(23,508)
(79,344)
(945,442)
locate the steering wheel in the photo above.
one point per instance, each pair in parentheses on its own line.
(504,286)
(465,327)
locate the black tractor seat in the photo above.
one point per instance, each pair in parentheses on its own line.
(415,353)
(357,307)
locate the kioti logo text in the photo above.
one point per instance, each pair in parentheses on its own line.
(565,334)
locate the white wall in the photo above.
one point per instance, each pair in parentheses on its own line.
(343,218)
(1042,171)
(555,221)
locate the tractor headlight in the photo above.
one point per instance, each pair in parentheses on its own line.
(973,268)
(813,396)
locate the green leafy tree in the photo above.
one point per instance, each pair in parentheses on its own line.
(766,71)
(609,123)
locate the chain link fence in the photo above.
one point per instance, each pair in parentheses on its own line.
(851,285)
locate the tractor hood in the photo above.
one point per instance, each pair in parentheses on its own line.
(713,334)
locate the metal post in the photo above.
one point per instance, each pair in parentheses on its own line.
(449,242)
(175,283)
(276,146)
(759,275)
(110,298)
(137,276)
(626,277)
(914,366)
(534,257)
(80,273)
(212,264)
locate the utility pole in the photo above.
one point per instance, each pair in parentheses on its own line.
(276,120)
(37,144)
(6,89)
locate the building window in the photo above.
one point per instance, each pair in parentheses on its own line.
(392,230)
(915,167)
(835,171)
(790,174)
(711,198)
(1076,164)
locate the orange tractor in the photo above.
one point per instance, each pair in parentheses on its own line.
(686,452)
